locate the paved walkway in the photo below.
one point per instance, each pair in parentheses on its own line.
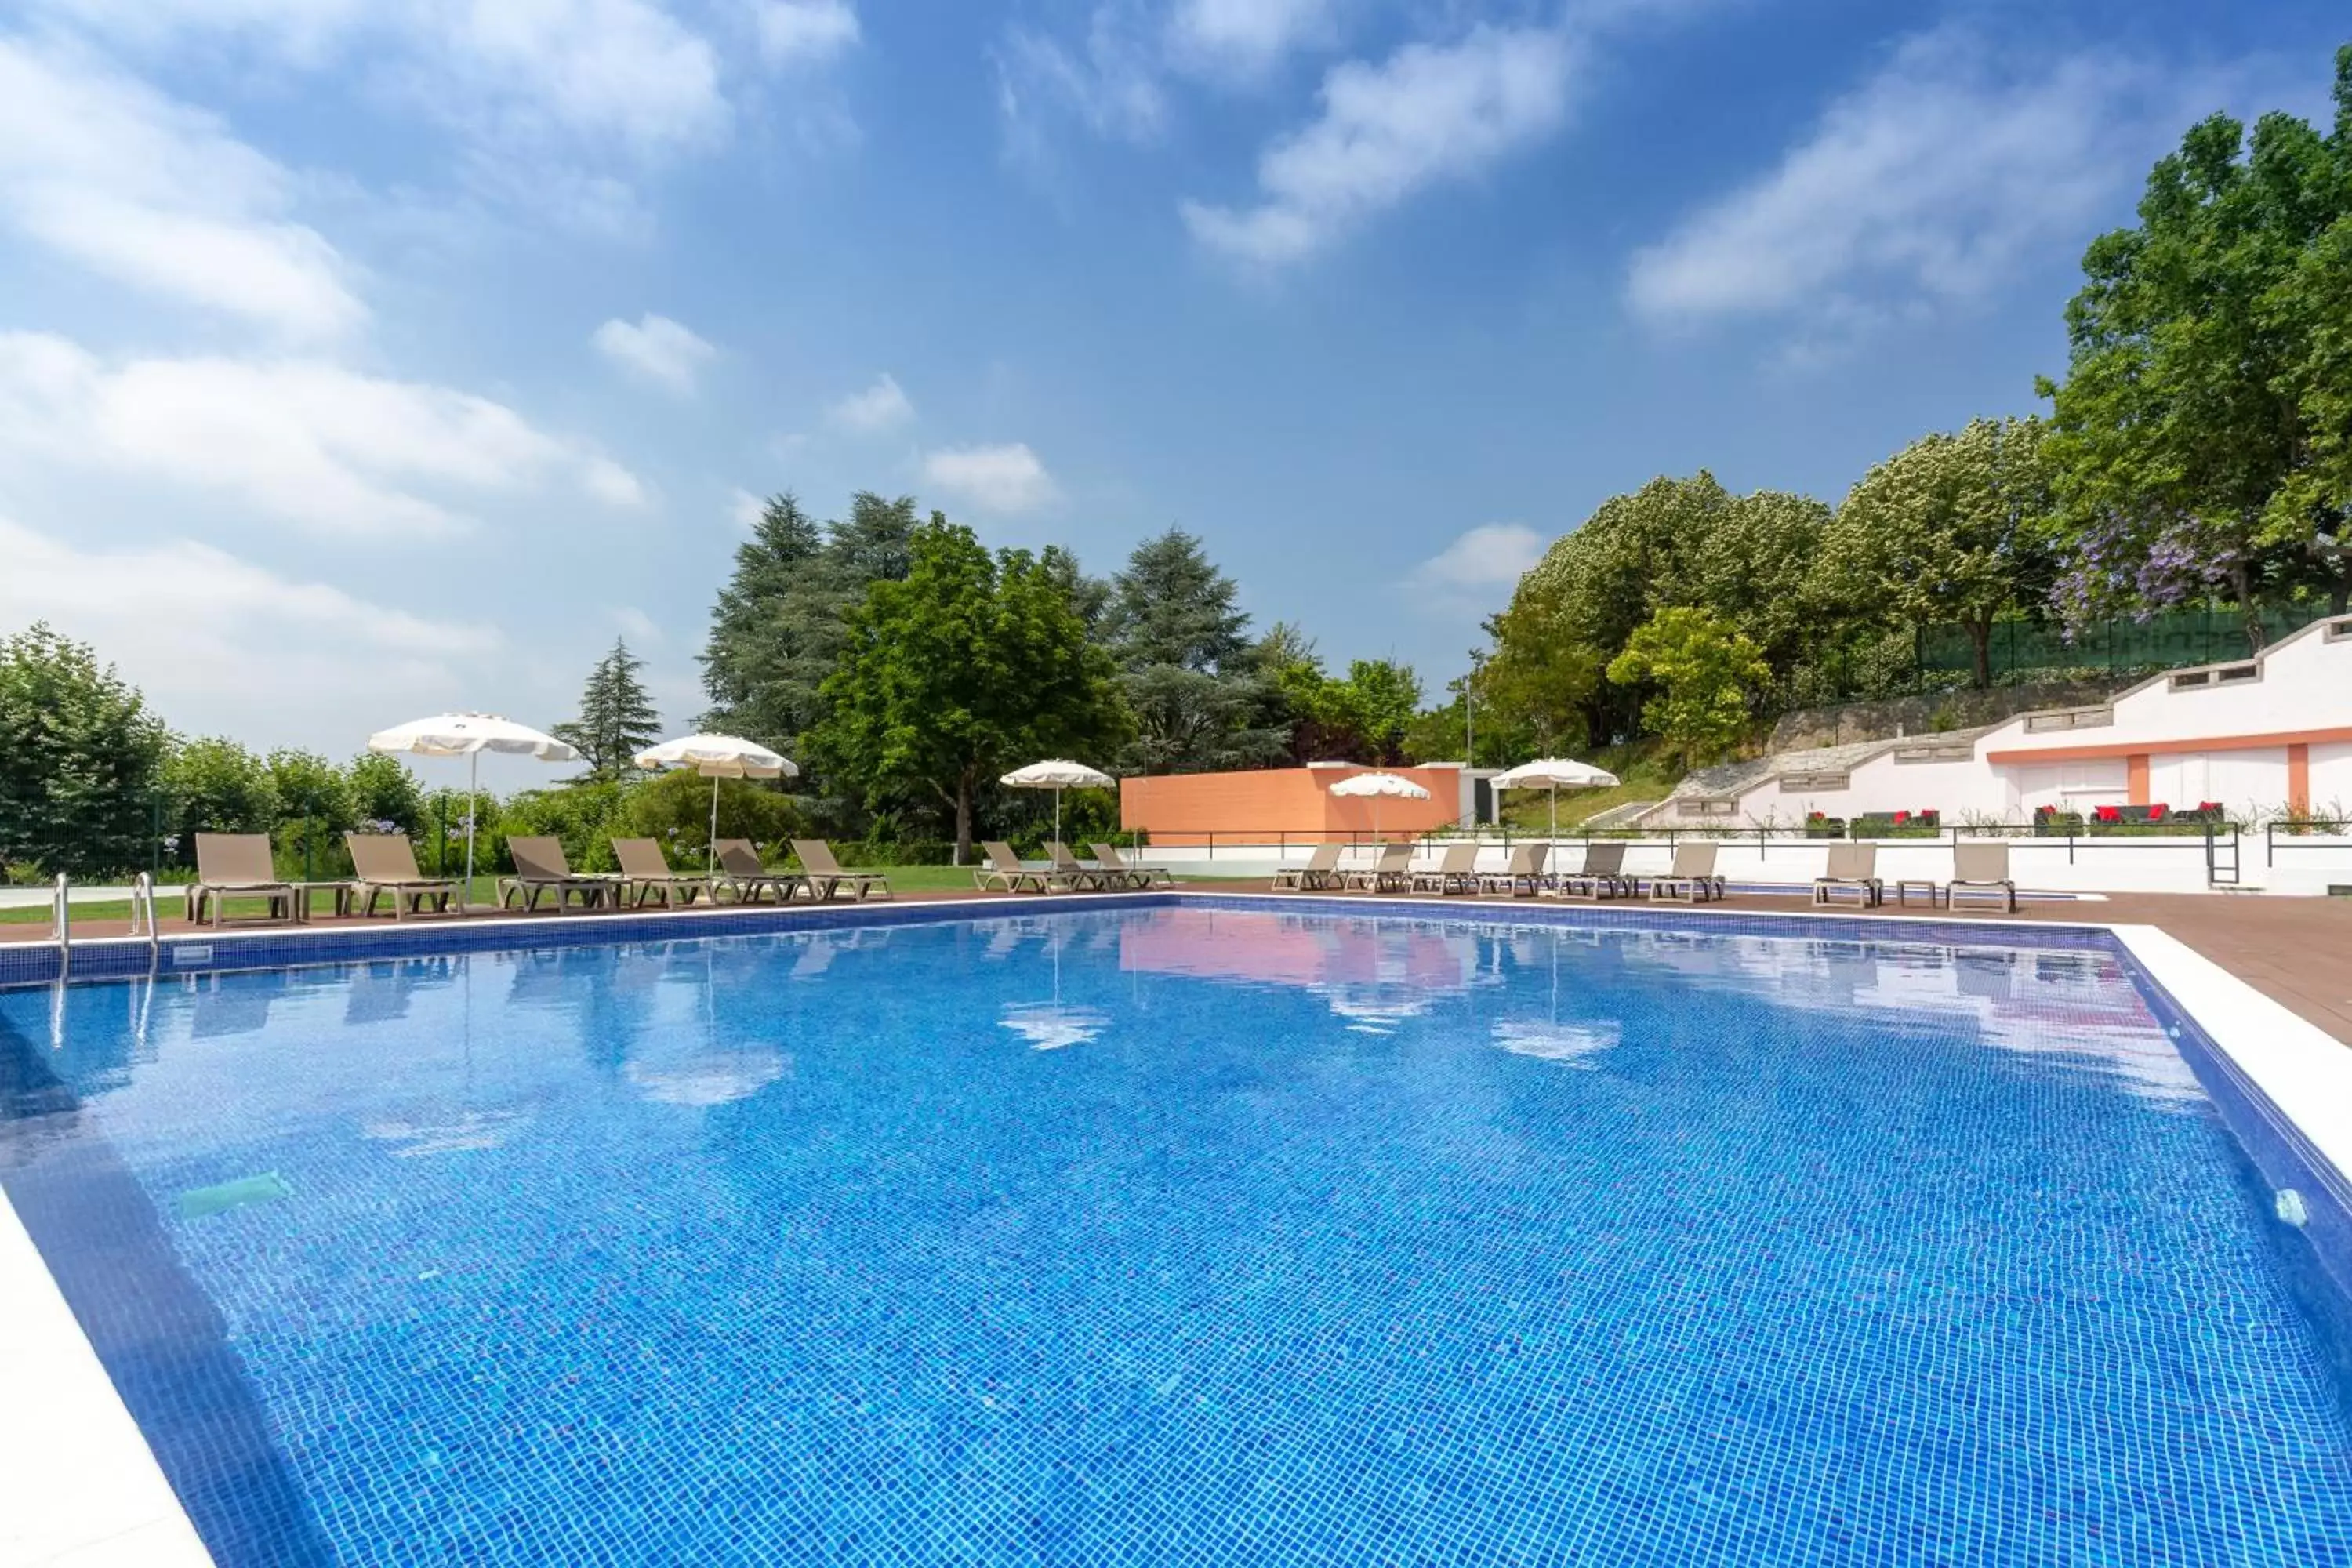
(2298,951)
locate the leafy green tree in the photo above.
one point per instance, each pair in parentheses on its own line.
(79,759)
(215,785)
(971,665)
(1378,702)
(1184,658)
(616,717)
(1953,530)
(674,809)
(385,792)
(1541,682)
(1699,673)
(2190,433)
(315,808)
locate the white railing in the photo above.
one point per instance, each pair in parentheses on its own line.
(142,911)
(61,922)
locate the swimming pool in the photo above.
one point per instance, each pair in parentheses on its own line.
(1184,1234)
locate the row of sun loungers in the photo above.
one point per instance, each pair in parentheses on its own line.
(1003,871)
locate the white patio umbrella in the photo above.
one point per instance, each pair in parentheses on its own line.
(468,735)
(1057,775)
(1378,786)
(718,757)
(1555,773)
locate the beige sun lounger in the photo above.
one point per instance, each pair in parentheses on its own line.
(1107,857)
(386,863)
(1851,875)
(540,868)
(1005,872)
(742,873)
(1693,880)
(823,874)
(1320,873)
(1077,873)
(238,864)
(1603,877)
(1980,870)
(1456,871)
(1389,873)
(1525,870)
(644,871)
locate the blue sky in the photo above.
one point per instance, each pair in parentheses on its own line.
(361,360)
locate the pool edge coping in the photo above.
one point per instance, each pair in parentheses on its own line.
(99,1463)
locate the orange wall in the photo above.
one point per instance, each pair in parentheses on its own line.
(2136,778)
(1185,808)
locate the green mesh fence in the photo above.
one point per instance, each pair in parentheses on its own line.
(2180,638)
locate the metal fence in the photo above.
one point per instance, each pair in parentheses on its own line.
(2167,641)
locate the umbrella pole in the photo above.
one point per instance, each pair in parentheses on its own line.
(1058,838)
(710,850)
(1555,811)
(473,788)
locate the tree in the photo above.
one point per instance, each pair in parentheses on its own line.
(616,717)
(1951,529)
(384,794)
(970,665)
(1378,702)
(1185,663)
(215,785)
(79,759)
(2184,432)
(1700,674)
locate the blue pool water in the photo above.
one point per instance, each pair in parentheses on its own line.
(1182,1235)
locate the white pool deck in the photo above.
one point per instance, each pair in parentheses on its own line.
(80,1488)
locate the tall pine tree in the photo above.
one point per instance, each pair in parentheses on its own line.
(616,717)
(1185,662)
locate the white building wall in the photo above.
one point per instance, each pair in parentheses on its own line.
(2331,780)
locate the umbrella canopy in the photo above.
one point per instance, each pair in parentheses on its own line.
(717,757)
(1058,773)
(1555,773)
(1378,786)
(468,735)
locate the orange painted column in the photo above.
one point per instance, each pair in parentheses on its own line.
(2298,780)
(2136,777)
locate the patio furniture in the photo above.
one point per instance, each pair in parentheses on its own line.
(645,871)
(1603,875)
(1107,857)
(1980,871)
(1005,872)
(822,874)
(540,867)
(1693,880)
(1851,873)
(1320,874)
(1076,873)
(1524,869)
(741,871)
(1456,871)
(386,863)
(1925,887)
(239,864)
(1389,873)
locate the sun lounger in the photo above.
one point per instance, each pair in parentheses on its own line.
(1320,873)
(742,873)
(824,875)
(1005,872)
(1389,873)
(386,863)
(540,868)
(1693,880)
(238,864)
(1852,874)
(1524,870)
(1076,873)
(644,871)
(1603,875)
(1107,857)
(1980,870)
(1456,871)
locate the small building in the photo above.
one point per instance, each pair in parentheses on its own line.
(2258,736)
(1271,805)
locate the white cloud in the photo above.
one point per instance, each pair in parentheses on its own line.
(1245,37)
(200,670)
(656,348)
(745,509)
(881,407)
(307,442)
(1933,181)
(795,30)
(638,625)
(1493,555)
(1007,478)
(1110,85)
(151,194)
(1428,113)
